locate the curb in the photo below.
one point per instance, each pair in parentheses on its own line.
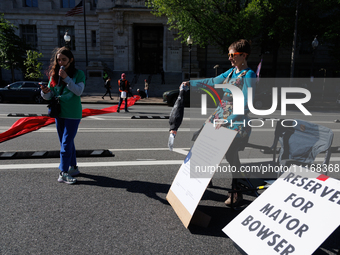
(113,102)
(25,115)
(149,117)
(52,154)
(94,101)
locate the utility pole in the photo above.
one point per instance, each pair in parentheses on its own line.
(292,62)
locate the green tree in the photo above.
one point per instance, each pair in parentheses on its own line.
(314,17)
(270,24)
(327,29)
(215,22)
(33,66)
(12,47)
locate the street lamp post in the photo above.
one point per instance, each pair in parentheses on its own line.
(216,67)
(189,42)
(324,82)
(315,44)
(67,39)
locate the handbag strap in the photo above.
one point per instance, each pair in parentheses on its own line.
(62,89)
(242,73)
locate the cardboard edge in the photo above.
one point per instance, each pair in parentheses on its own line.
(179,208)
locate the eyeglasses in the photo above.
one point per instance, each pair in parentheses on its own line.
(236,53)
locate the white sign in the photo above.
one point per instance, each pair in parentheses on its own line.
(193,177)
(294,215)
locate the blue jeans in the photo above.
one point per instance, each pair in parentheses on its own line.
(67,130)
(120,102)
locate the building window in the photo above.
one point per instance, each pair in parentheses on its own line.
(93,38)
(95,3)
(68,3)
(31,3)
(70,31)
(29,35)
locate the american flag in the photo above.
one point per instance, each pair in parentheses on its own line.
(258,70)
(76,10)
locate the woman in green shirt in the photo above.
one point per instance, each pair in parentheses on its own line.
(63,73)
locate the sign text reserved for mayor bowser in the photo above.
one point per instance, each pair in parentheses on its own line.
(293,216)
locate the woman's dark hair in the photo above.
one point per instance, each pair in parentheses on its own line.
(54,65)
(241,46)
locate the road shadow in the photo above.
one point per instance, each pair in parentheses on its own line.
(149,189)
(220,215)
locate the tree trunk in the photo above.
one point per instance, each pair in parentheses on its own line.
(12,72)
(276,46)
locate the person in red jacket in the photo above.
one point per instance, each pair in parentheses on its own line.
(123,87)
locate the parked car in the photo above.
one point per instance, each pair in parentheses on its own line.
(190,100)
(171,96)
(264,99)
(22,91)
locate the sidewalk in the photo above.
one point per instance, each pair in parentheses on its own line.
(95,99)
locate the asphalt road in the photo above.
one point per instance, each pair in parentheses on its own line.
(118,205)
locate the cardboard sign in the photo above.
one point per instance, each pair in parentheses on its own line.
(193,177)
(294,215)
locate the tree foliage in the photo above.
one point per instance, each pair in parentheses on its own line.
(270,24)
(33,66)
(12,47)
(315,18)
(216,22)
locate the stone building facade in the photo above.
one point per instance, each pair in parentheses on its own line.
(124,36)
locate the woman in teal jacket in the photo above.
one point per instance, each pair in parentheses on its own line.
(65,78)
(241,76)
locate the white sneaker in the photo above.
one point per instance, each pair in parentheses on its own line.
(66,178)
(73,171)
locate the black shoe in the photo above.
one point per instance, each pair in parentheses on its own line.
(126,111)
(118,110)
(111,98)
(103,97)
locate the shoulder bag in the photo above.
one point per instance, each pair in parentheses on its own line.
(54,107)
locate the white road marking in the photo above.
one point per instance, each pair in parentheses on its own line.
(94,164)
(143,130)
(133,163)
(115,130)
(183,151)
(96,118)
(179,150)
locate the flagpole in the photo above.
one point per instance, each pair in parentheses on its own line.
(87,61)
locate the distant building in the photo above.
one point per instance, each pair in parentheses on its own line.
(123,35)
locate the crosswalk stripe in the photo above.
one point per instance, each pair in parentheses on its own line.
(133,163)
(94,164)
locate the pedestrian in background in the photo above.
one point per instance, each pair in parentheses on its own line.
(123,87)
(146,88)
(71,82)
(141,93)
(108,88)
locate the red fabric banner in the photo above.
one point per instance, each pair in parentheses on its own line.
(29,124)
